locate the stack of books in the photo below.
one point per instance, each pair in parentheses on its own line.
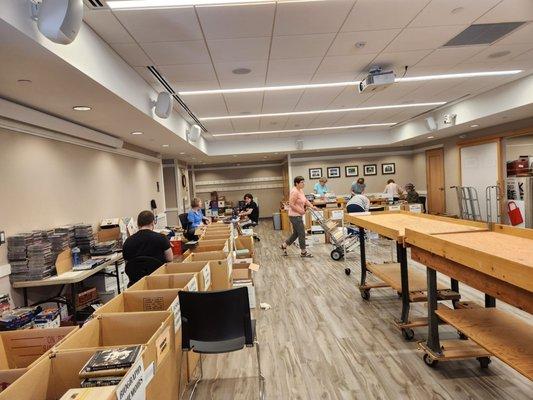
(17,255)
(107,367)
(104,248)
(41,263)
(19,318)
(84,237)
(60,242)
(69,230)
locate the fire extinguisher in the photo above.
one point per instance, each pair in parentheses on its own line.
(515,216)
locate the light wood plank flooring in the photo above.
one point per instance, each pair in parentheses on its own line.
(321,340)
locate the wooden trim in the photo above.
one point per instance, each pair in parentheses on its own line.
(514,295)
(517,132)
(511,230)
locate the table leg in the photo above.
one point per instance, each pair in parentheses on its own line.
(454,285)
(489,301)
(73,294)
(433,341)
(117,276)
(402,258)
(363,254)
(25,294)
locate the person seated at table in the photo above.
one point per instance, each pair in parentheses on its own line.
(249,210)
(320,187)
(412,196)
(393,190)
(358,203)
(195,216)
(147,243)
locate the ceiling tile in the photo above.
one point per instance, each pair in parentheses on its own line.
(240,103)
(452,12)
(168,53)
(505,53)
(300,46)
(424,38)
(161,25)
(207,105)
(132,54)
(349,98)
(295,18)
(285,101)
(299,121)
(391,95)
(272,123)
(316,99)
(509,11)
(522,35)
(244,49)
(370,15)
(189,72)
(104,23)
(293,79)
(194,85)
(237,21)
(375,42)
(398,60)
(218,126)
(246,125)
(244,81)
(323,120)
(293,66)
(343,64)
(258,71)
(449,56)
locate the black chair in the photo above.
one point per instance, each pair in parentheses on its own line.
(218,322)
(188,232)
(139,267)
(354,208)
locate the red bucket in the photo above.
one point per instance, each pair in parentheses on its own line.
(177,247)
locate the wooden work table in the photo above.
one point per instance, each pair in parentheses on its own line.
(393,225)
(499,263)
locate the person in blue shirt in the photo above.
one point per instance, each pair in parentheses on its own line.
(195,215)
(320,188)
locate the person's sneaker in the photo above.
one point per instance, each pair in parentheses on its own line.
(306,255)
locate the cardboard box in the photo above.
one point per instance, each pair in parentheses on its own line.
(220,264)
(140,301)
(24,348)
(209,245)
(414,208)
(201,267)
(245,243)
(337,214)
(107,234)
(188,281)
(242,275)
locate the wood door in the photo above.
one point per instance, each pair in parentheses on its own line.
(436,197)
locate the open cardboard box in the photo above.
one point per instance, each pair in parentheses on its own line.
(53,376)
(201,267)
(209,245)
(244,243)
(221,267)
(140,301)
(242,275)
(20,350)
(107,234)
(186,281)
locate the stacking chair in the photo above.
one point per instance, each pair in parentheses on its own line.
(218,322)
(188,232)
(139,267)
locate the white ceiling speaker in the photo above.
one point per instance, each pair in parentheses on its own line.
(163,104)
(58,20)
(299,144)
(431,123)
(195,132)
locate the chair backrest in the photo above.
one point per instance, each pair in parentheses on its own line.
(184,220)
(139,267)
(215,316)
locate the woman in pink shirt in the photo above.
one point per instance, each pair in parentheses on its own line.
(297,205)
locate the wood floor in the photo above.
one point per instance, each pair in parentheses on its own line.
(321,340)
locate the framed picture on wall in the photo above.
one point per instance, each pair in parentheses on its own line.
(334,172)
(351,170)
(388,169)
(370,169)
(315,173)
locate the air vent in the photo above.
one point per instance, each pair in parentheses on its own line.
(153,70)
(94,4)
(483,34)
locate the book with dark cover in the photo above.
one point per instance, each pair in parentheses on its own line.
(103,381)
(117,358)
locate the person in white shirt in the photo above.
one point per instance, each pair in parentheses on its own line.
(358,203)
(393,190)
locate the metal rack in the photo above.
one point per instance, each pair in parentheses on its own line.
(468,201)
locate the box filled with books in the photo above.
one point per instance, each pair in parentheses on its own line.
(201,267)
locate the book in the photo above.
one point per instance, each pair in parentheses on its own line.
(101,381)
(103,373)
(88,394)
(117,358)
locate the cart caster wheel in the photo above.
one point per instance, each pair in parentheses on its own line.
(484,362)
(408,334)
(365,294)
(336,255)
(462,336)
(430,362)
(347,271)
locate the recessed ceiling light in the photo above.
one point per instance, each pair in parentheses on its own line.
(265,157)
(431,137)
(457,10)
(137,133)
(241,71)
(360,45)
(499,54)
(24,82)
(349,83)
(82,108)
(165,145)
(326,111)
(462,136)
(307,129)
(359,148)
(182,152)
(474,126)
(276,152)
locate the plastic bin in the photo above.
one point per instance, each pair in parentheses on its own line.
(276,218)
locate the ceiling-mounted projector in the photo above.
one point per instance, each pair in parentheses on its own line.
(377,80)
(194,133)
(163,104)
(58,20)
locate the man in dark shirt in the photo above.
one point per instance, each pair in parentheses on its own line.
(250,210)
(146,242)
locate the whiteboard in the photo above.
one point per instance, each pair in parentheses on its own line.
(479,169)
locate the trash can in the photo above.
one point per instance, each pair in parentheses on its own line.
(276,218)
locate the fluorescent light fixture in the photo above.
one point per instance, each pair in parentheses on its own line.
(82,108)
(349,83)
(134,4)
(306,129)
(326,111)
(137,133)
